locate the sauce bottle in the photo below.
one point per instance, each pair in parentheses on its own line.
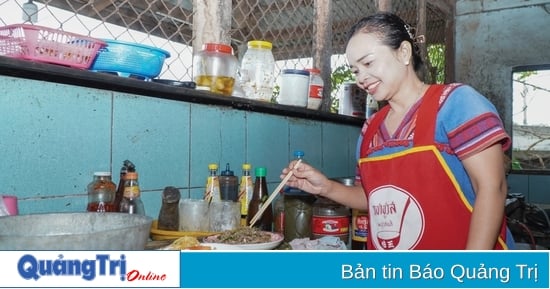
(298,210)
(246,188)
(279,215)
(101,193)
(131,202)
(259,196)
(359,229)
(229,185)
(127,166)
(212,190)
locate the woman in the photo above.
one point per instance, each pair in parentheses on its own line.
(430,162)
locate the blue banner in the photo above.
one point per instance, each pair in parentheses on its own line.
(364,269)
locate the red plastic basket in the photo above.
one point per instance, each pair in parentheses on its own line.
(33,42)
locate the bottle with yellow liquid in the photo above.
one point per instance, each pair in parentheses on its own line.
(215,68)
(246,188)
(212,190)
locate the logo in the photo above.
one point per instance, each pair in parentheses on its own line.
(31,268)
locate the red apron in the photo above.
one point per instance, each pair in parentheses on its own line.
(415,202)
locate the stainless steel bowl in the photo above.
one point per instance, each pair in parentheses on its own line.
(74,231)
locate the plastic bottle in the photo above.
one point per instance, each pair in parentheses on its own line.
(246,188)
(294,87)
(298,210)
(330,219)
(229,185)
(259,196)
(101,193)
(316,86)
(215,68)
(131,202)
(257,71)
(212,190)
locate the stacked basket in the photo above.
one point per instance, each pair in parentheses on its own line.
(43,44)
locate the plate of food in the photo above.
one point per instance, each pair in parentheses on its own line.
(245,238)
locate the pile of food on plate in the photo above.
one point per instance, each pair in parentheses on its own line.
(187,243)
(244,235)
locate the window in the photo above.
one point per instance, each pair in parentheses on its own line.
(531,118)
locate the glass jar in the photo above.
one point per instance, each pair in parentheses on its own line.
(257,71)
(316,85)
(215,68)
(101,193)
(298,214)
(330,219)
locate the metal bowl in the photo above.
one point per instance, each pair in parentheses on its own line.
(74,231)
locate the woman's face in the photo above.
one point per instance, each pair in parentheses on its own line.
(378,69)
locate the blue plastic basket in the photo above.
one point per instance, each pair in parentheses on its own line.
(130,59)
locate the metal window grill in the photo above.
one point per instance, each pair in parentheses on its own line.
(289,24)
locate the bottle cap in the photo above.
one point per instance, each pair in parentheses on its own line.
(314,70)
(247,166)
(102,174)
(217,47)
(228,171)
(298,154)
(212,166)
(260,172)
(260,44)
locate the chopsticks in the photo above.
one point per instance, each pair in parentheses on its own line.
(273,195)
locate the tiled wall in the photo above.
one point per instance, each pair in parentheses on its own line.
(54,136)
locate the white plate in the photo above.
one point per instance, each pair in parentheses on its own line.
(276,239)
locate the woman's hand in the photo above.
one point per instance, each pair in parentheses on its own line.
(307,178)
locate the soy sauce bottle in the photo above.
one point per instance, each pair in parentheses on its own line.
(259,196)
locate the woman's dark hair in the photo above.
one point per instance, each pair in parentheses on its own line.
(392,31)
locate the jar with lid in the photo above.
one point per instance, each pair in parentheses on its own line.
(215,68)
(101,193)
(316,85)
(257,70)
(294,87)
(298,214)
(330,219)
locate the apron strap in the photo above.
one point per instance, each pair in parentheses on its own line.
(373,126)
(427,115)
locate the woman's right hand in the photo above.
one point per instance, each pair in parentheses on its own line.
(307,178)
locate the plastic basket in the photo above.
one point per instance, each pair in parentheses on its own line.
(43,44)
(129,59)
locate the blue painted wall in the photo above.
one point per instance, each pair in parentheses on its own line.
(54,136)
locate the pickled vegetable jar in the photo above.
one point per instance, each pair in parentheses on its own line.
(215,68)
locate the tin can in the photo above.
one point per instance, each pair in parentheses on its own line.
(353,100)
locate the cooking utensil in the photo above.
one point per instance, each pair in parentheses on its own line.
(274,194)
